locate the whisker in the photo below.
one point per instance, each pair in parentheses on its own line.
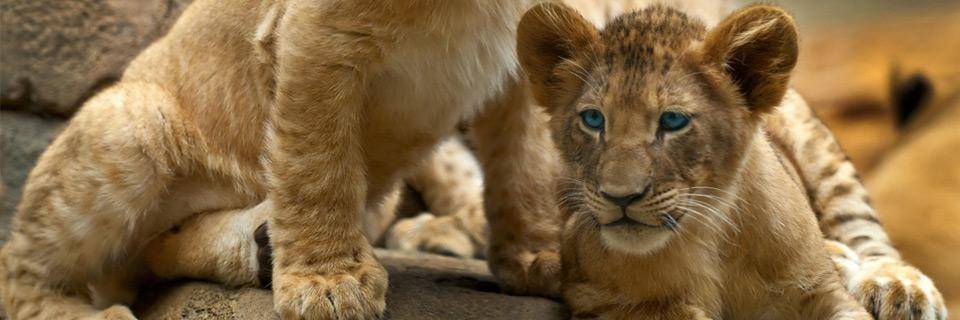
(669,222)
(709,223)
(726,202)
(723,218)
(701,218)
(694,215)
(592,81)
(725,192)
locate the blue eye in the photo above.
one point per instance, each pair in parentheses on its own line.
(673,121)
(592,118)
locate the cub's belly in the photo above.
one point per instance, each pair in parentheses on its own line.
(407,117)
(395,142)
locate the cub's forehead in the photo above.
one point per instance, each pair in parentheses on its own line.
(639,49)
(648,40)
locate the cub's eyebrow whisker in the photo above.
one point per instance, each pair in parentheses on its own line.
(592,81)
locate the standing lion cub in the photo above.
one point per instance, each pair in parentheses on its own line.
(677,205)
(304,112)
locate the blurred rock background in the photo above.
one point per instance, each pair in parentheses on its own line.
(849,48)
(54,54)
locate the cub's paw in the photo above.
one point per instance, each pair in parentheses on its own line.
(845,259)
(115,312)
(428,233)
(891,289)
(527,272)
(359,294)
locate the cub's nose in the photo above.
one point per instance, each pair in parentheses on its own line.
(624,201)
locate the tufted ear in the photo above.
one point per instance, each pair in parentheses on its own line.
(757,48)
(556,47)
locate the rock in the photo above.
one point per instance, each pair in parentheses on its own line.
(22,138)
(57,53)
(422,286)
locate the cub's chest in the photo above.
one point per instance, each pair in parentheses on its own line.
(445,75)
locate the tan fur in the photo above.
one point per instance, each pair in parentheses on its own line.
(805,141)
(225,173)
(599,12)
(220,246)
(449,180)
(311,111)
(749,247)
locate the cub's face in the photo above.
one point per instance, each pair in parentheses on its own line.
(651,114)
(648,150)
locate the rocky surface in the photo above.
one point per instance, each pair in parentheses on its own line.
(22,138)
(57,53)
(422,286)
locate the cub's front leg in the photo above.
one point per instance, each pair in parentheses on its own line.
(323,267)
(587,301)
(519,164)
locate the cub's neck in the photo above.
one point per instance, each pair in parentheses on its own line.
(772,213)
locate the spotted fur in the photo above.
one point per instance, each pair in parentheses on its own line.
(875,274)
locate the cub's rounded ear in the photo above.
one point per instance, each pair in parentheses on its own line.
(556,47)
(757,48)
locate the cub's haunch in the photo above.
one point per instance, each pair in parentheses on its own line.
(676,203)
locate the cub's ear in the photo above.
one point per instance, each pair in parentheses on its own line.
(556,47)
(757,48)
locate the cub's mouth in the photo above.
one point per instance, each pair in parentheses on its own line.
(640,238)
(666,221)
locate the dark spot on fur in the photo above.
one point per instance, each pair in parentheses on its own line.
(858,240)
(829,171)
(842,218)
(874,254)
(357,254)
(839,191)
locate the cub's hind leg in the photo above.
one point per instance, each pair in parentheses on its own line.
(452,188)
(519,163)
(91,203)
(216,246)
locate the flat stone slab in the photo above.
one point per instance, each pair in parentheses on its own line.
(422,286)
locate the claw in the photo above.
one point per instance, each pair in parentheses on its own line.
(264,256)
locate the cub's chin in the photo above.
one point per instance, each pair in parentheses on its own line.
(635,239)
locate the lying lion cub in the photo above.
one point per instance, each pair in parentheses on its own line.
(677,205)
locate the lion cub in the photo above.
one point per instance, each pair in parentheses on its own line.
(676,204)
